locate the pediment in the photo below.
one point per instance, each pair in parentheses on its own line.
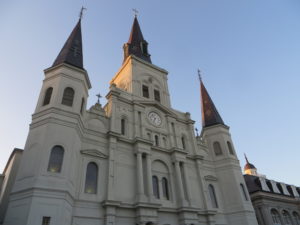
(210,178)
(94,153)
(158,106)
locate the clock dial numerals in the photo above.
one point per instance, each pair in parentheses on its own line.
(154,118)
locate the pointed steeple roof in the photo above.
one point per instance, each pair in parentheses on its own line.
(136,44)
(210,115)
(71,53)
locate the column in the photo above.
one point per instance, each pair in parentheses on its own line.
(179,181)
(149,177)
(111,170)
(140,181)
(186,182)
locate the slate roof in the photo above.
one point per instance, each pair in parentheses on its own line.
(210,114)
(71,53)
(136,44)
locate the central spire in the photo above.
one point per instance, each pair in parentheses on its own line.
(210,115)
(136,44)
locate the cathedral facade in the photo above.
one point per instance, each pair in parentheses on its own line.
(135,160)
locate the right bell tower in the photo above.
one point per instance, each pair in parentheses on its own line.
(237,204)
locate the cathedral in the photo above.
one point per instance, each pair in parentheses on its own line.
(132,161)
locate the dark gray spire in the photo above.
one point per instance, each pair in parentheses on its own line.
(71,53)
(210,115)
(136,44)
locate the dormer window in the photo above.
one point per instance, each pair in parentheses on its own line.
(156,95)
(145,91)
(144,47)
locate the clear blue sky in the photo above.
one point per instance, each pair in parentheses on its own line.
(249,52)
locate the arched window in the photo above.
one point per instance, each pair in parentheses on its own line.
(230,148)
(217,148)
(68,97)
(155,186)
(165,188)
(56,159)
(156,95)
(123,126)
(183,142)
(275,217)
(296,218)
(287,220)
(91,178)
(156,140)
(213,196)
(47,97)
(244,192)
(145,91)
(82,105)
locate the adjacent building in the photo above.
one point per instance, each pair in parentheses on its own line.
(275,203)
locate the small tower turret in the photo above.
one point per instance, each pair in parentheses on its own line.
(249,168)
(66,82)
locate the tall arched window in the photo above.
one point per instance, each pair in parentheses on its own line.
(217,148)
(82,106)
(230,148)
(275,217)
(183,142)
(165,188)
(213,196)
(56,159)
(91,178)
(287,220)
(244,192)
(155,186)
(47,97)
(156,140)
(68,96)
(296,218)
(123,126)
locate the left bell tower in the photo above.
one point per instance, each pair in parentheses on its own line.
(45,186)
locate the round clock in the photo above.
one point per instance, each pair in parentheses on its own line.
(154,118)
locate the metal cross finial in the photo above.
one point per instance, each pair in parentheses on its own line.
(196,129)
(99,96)
(199,74)
(81,12)
(135,12)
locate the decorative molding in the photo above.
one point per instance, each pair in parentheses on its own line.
(210,178)
(94,153)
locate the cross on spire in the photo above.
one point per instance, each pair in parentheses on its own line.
(196,129)
(98,96)
(135,12)
(81,12)
(199,75)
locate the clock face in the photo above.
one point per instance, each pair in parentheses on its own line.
(154,118)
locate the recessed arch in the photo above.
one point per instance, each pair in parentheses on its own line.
(68,96)
(48,95)
(217,148)
(91,178)
(213,197)
(56,159)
